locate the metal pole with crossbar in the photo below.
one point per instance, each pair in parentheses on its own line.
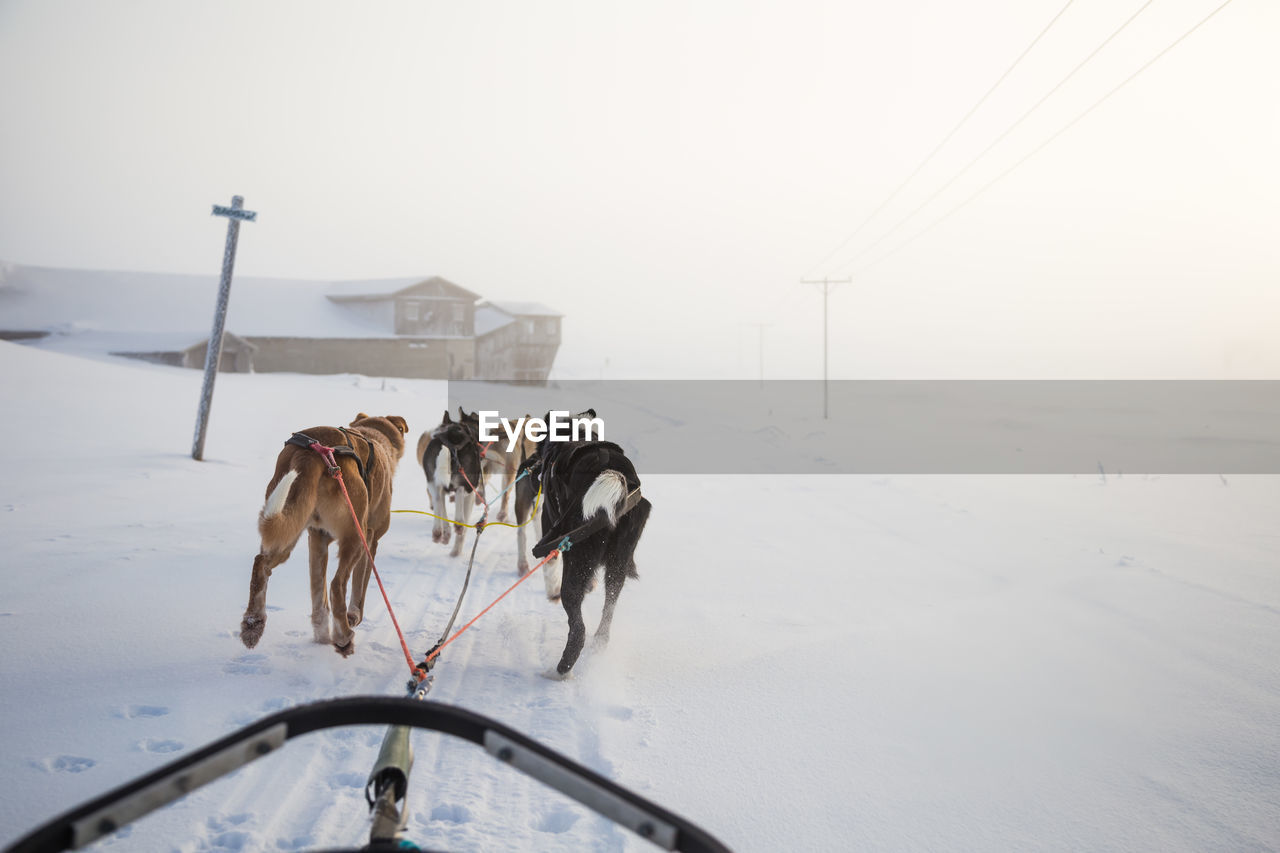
(235,213)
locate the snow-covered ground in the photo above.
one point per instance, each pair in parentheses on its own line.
(807,662)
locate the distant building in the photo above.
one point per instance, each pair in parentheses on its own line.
(427,331)
(415,328)
(516,341)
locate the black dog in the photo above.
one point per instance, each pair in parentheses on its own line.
(450,457)
(591,494)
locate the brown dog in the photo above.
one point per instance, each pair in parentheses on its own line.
(303,496)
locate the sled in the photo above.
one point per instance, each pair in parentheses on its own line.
(387,785)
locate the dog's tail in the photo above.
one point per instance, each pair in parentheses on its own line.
(607,494)
(279,495)
(291,498)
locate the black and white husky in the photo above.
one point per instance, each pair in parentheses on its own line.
(582,482)
(450,457)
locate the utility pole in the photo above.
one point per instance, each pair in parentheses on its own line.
(235,213)
(827,284)
(760,343)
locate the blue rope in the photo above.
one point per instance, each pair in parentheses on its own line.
(523,474)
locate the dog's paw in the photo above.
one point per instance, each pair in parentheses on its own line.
(251,628)
(321,633)
(437,536)
(555,675)
(347,650)
(354,617)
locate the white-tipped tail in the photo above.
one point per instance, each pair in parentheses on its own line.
(608,493)
(279,495)
(444,472)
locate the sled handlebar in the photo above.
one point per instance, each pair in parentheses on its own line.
(105,814)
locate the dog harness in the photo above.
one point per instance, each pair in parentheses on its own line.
(582,531)
(568,453)
(301,439)
(461,442)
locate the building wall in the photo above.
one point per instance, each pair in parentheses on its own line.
(462,358)
(407,357)
(236,357)
(381,313)
(495,353)
(412,358)
(434,315)
(522,351)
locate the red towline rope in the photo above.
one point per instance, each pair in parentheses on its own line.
(418,671)
(422,667)
(326,453)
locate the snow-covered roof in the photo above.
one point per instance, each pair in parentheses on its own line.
(372,287)
(490,319)
(388,287)
(524,309)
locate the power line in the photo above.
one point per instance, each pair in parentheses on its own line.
(1046,143)
(922,205)
(929,157)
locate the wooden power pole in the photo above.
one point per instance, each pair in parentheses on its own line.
(827,284)
(760,344)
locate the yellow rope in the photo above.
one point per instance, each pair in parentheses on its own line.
(532,516)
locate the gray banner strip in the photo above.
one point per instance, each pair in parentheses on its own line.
(917,427)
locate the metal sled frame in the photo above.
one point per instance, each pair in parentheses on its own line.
(104,815)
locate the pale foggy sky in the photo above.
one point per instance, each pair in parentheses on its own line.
(664,173)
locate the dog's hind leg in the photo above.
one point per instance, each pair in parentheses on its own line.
(255,614)
(436,483)
(318,546)
(525,495)
(508,475)
(576,574)
(350,554)
(615,575)
(290,497)
(461,515)
(522,546)
(620,564)
(552,576)
(360,580)
(440,509)
(552,571)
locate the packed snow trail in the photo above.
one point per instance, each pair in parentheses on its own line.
(806,662)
